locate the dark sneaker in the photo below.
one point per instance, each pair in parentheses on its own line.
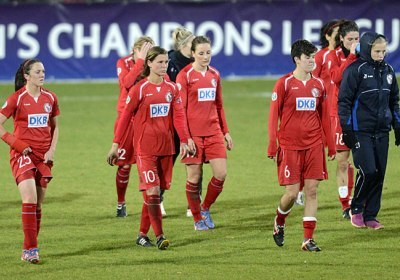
(162,243)
(205,214)
(357,220)
(374,224)
(121,211)
(31,255)
(279,234)
(310,246)
(346,213)
(144,241)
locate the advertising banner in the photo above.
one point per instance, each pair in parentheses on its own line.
(83,41)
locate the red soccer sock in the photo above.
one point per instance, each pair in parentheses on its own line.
(193,198)
(309,224)
(350,175)
(38,219)
(122,180)
(213,190)
(153,206)
(29,225)
(281,216)
(145,218)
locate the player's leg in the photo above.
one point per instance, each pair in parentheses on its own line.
(342,175)
(193,173)
(121,182)
(143,239)
(310,215)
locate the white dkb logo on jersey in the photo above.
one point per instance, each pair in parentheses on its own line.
(38,120)
(159,110)
(305,103)
(206,94)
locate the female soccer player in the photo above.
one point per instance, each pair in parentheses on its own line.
(299,107)
(179,57)
(156,107)
(368,109)
(129,69)
(346,40)
(200,88)
(33,144)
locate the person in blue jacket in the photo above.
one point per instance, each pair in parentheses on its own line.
(368,109)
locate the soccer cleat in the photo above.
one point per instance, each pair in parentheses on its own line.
(144,241)
(162,243)
(31,255)
(279,234)
(189,213)
(200,225)
(357,220)
(310,246)
(374,224)
(300,199)
(121,211)
(205,214)
(163,213)
(346,213)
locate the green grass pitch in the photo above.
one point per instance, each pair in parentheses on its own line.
(81,239)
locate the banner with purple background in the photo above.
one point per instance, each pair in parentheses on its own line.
(83,41)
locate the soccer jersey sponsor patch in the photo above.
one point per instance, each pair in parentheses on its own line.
(206,94)
(38,120)
(305,103)
(274,96)
(159,110)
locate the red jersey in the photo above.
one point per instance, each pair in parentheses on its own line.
(338,63)
(128,71)
(150,106)
(301,111)
(202,98)
(32,116)
(322,69)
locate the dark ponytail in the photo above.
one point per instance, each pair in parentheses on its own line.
(24,68)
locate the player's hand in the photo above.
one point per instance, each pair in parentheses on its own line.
(192,147)
(332,157)
(113,154)
(353,47)
(184,150)
(142,53)
(229,141)
(26,151)
(273,158)
(49,156)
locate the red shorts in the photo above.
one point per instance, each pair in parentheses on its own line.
(207,148)
(20,164)
(125,148)
(154,171)
(338,134)
(295,166)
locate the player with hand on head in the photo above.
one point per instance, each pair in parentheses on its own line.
(298,127)
(32,146)
(129,69)
(368,109)
(346,40)
(200,87)
(156,108)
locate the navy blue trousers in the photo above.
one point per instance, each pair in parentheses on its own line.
(370,160)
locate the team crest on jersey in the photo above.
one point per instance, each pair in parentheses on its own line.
(214,82)
(389,79)
(274,96)
(315,92)
(179,86)
(4,105)
(168,96)
(47,107)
